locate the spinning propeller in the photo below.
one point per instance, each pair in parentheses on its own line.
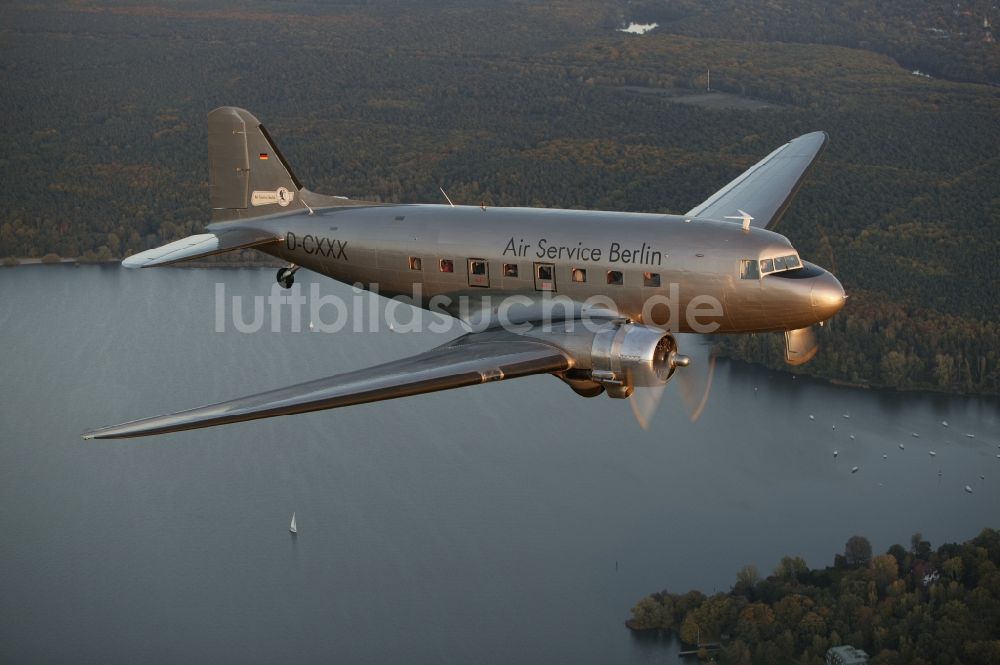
(693,377)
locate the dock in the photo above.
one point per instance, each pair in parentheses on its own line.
(707,646)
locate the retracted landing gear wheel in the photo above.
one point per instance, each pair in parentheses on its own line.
(286,277)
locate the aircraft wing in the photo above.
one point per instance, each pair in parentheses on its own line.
(201,245)
(766,188)
(471,359)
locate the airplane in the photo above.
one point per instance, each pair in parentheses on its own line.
(626,284)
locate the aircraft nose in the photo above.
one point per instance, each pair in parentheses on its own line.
(827,295)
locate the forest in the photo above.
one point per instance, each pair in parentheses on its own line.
(523,102)
(913,606)
(946,38)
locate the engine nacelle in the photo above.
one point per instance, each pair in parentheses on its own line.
(625,355)
(617,357)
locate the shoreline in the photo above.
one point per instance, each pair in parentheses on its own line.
(852,385)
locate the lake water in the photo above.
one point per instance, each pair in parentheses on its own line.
(511,522)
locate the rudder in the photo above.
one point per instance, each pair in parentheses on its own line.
(248,175)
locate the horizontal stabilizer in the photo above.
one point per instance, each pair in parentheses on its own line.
(199,246)
(469,360)
(766,188)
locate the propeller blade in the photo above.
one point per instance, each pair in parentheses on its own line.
(645,401)
(695,382)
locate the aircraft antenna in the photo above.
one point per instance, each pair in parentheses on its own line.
(446,197)
(744,217)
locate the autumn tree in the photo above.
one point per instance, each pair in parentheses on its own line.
(746,579)
(858,551)
(791,568)
(886,569)
(646,614)
(953,567)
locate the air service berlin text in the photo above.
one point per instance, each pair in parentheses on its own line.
(643,254)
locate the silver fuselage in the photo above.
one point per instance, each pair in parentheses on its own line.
(679,263)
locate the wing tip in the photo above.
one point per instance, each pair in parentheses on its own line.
(811,136)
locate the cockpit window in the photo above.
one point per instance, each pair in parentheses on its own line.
(748,269)
(780,263)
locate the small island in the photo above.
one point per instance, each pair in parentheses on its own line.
(908,606)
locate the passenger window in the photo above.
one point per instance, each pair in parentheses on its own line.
(510,270)
(748,269)
(479,272)
(579,275)
(415,263)
(766,266)
(446,265)
(651,279)
(545,277)
(615,277)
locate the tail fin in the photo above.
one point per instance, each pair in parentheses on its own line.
(248,175)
